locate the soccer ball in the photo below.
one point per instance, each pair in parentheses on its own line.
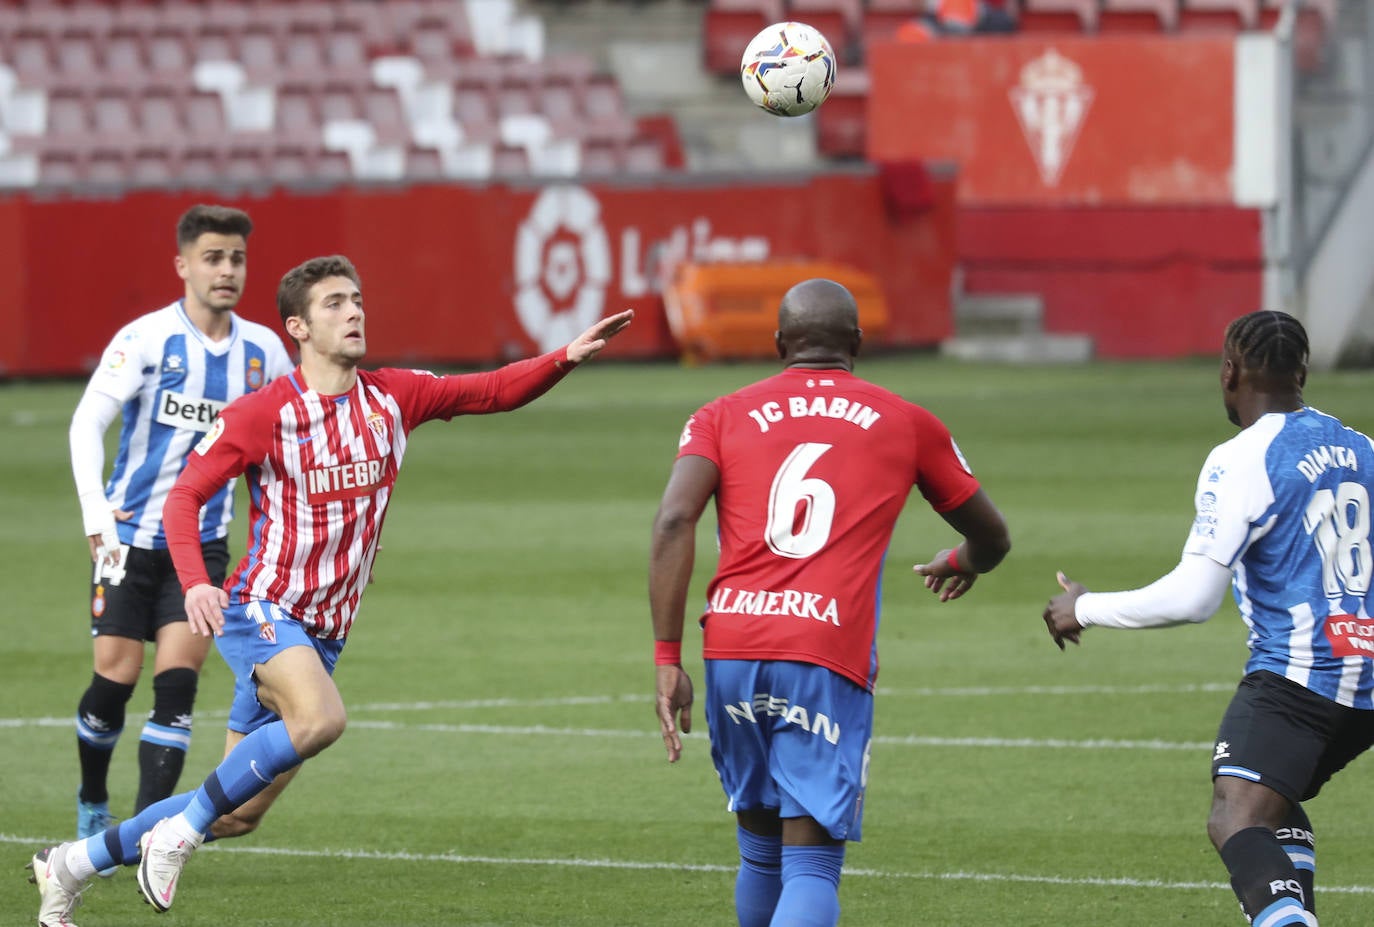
(788,69)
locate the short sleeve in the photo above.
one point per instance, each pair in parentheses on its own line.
(942,474)
(700,436)
(120,372)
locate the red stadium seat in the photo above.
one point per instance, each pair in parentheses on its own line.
(509,161)
(167,53)
(122,56)
(382,107)
(474,109)
(246,164)
(201,163)
(644,155)
(603,105)
(1150,16)
(424,164)
(205,115)
(882,18)
(160,114)
(729,26)
(841,124)
(840,21)
(601,158)
(69,118)
(331,167)
(153,166)
(1059,16)
(61,168)
(1224,15)
(113,117)
(107,167)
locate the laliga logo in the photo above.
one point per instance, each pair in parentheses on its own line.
(562,266)
(1051,103)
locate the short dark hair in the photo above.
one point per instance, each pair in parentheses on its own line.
(221,220)
(293,293)
(1269,342)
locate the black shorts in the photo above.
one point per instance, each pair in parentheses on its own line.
(1287,737)
(142,593)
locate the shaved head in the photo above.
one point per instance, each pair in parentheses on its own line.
(818,323)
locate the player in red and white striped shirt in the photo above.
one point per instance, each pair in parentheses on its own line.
(320,450)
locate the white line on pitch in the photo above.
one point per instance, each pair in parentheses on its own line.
(463,859)
(541,730)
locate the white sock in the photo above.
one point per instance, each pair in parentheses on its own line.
(77,861)
(182,830)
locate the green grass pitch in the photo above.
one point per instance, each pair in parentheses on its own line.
(502,765)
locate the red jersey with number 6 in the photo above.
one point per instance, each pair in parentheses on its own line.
(815,467)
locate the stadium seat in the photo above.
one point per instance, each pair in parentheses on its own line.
(75,55)
(382,107)
(257,50)
(303,57)
(729,25)
(424,164)
(246,164)
(509,161)
(61,168)
(160,114)
(297,115)
(1214,15)
(167,53)
(644,155)
(290,164)
(474,109)
(214,43)
(331,167)
(604,108)
(1058,16)
(122,57)
(841,124)
(345,51)
(882,18)
(153,166)
(601,158)
(840,21)
(559,104)
(205,115)
(68,118)
(1148,16)
(113,117)
(201,164)
(107,166)
(30,55)
(339,102)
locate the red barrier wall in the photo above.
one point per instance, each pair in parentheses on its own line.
(1144,282)
(1062,119)
(468,275)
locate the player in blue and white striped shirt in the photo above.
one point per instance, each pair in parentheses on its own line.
(1283,518)
(166,375)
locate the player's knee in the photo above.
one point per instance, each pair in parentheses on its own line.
(311,735)
(174,694)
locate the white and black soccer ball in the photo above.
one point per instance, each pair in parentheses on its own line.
(788,69)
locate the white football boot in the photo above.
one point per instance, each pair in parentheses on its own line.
(164,856)
(59,890)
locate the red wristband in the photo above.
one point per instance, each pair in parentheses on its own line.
(953,560)
(667,653)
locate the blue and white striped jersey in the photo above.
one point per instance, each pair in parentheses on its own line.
(1286,505)
(171,382)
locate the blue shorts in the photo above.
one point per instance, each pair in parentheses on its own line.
(790,737)
(253,634)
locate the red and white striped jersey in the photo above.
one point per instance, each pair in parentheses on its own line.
(320,471)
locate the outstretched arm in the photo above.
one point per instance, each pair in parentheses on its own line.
(1191,592)
(672,553)
(986,542)
(588,344)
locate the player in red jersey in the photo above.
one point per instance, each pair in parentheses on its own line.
(320,450)
(809,469)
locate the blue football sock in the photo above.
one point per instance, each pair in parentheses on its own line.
(118,846)
(810,887)
(248,769)
(759,880)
